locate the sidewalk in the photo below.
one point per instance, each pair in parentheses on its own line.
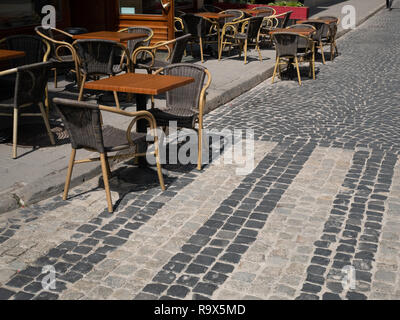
(40,174)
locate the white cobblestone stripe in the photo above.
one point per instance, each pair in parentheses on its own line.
(275,265)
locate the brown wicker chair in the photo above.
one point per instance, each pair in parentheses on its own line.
(328,36)
(83,123)
(202,30)
(185,105)
(292,48)
(29,93)
(320,28)
(97,58)
(174,56)
(248,35)
(64,62)
(140,42)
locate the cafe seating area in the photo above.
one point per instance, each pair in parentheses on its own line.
(129,67)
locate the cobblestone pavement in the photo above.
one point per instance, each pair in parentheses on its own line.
(324,196)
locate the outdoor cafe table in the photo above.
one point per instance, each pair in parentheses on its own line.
(110,35)
(323,20)
(142,85)
(10,54)
(215,17)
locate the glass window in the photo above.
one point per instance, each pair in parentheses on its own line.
(184,4)
(21,13)
(140,7)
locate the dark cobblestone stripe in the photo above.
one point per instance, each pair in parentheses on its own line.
(351,233)
(210,256)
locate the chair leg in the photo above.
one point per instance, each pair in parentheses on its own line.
(298,70)
(276,66)
(69,174)
(116,100)
(15,133)
(259,53)
(159,169)
(55,78)
(104,161)
(201,49)
(245,51)
(322,53)
(200,147)
(108,166)
(47,124)
(81,89)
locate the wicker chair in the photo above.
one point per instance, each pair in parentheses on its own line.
(29,95)
(179,27)
(185,105)
(292,48)
(34,47)
(174,56)
(82,120)
(237,15)
(136,43)
(202,30)
(98,57)
(63,62)
(328,36)
(250,32)
(320,28)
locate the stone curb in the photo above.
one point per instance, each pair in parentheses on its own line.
(53,184)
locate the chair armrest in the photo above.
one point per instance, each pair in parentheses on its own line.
(152,49)
(137,115)
(8,71)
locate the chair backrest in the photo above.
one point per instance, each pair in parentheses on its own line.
(135,43)
(186,97)
(82,122)
(283,22)
(33,46)
(238,15)
(31,82)
(320,28)
(98,56)
(179,49)
(285,43)
(253,27)
(302,42)
(195,25)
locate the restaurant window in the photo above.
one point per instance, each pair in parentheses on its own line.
(22,13)
(140,7)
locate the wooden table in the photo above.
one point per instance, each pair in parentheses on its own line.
(304,32)
(110,35)
(325,20)
(140,84)
(214,15)
(10,54)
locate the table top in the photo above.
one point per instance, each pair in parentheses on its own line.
(304,32)
(214,15)
(141,83)
(10,54)
(110,35)
(327,21)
